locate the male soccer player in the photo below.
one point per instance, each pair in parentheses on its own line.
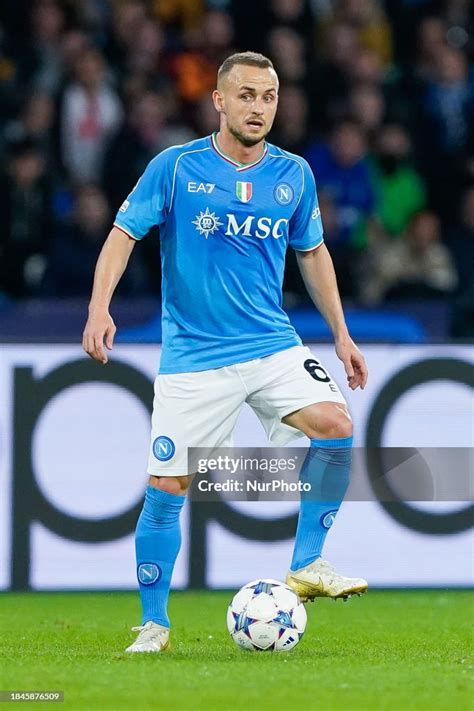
(228,206)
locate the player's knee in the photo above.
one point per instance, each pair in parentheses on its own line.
(177,485)
(332,422)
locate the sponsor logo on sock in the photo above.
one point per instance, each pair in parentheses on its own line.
(328,519)
(148,573)
(163,448)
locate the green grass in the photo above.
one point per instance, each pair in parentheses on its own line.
(388,650)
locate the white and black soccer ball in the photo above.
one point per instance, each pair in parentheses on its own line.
(266,615)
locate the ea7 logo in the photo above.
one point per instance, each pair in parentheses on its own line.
(261,228)
(201,187)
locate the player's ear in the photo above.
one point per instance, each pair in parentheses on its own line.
(218,101)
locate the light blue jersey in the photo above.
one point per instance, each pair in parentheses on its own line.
(224,229)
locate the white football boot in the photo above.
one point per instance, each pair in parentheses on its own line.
(152,638)
(319,579)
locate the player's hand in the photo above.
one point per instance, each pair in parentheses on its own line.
(354,363)
(99,331)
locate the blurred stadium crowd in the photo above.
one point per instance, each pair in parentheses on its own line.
(377,96)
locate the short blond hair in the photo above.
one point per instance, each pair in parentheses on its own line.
(249,59)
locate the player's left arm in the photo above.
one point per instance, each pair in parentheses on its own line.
(318,274)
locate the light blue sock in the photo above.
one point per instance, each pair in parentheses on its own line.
(326,468)
(157,543)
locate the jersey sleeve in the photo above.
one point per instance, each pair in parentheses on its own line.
(148,204)
(306,227)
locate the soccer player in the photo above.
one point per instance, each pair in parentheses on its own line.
(228,206)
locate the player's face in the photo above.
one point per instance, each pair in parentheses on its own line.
(247,99)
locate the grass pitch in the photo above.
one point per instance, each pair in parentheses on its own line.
(387,650)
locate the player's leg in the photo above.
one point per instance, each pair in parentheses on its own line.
(157,544)
(189,410)
(326,469)
(296,396)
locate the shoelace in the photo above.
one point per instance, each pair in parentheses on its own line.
(324,567)
(151,630)
(328,566)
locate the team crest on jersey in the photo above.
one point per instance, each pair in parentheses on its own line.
(243,191)
(207,223)
(283,193)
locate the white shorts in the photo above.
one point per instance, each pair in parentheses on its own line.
(201,409)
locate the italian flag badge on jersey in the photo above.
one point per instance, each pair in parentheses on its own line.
(243,191)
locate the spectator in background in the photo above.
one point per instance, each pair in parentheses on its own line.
(74,249)
(127,16)
(195,66)
(341,170)
(25,210)
(206,119)
(374,32)
(132,148)
(368,19)
(400,190)
(461,243)
(146,65)
(295,15)
(447,125)
(9,74)
(35,123)
(74,43)
(144,135)
(291,129)
(145,54)
(416,266)
(448,101)
(337,50)
(366,69)
(90,114)
(344,257)
(367,108)
(286,47)
(431,41)
(184,15)
(460,238)
(44,58)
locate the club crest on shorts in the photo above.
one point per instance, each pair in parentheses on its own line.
(243,191)
(163,448)
(148,573)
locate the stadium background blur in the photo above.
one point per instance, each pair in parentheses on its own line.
(377,96)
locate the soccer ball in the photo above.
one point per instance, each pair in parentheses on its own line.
(266,615)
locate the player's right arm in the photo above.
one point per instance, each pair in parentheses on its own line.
(146,206)
(100,328)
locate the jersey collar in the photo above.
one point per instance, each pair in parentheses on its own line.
(240,167)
